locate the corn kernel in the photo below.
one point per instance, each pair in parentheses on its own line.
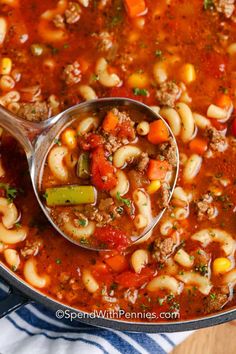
(154,186)
(5,66)
(69,138)
(221,265)
(139,80)
(188,73)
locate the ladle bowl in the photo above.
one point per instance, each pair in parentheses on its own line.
(38,138)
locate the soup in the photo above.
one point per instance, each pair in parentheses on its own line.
(108,176)
(177,57)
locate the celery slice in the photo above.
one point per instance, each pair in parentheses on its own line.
(70,195)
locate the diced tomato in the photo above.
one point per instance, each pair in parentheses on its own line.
(218,125)
(101,271)
(130,279)
(117,263)
(234,127)
(103,173)
(91,141)
(111,238)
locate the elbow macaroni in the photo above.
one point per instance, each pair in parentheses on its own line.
(202,283)
(12,236)
(104,77)
(164,282)
(122,186)
(32,276)
(124,155)
(10,213)
(192,167)
(55,162)
(206,236)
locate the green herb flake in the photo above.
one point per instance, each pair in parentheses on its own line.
(158,53)
(82,222)
(58,261)
(125,201)
(57,142)
(140,92)
(208,5)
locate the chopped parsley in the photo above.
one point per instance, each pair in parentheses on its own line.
(11,192)
(57,142)
(140,92)
(158,53)
(58,261)
(84,241)
(125,201)
(82,222)
(202,269)
(213,296)
(208,5)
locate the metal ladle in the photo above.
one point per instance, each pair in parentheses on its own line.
(37,139)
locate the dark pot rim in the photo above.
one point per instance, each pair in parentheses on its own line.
(30,294)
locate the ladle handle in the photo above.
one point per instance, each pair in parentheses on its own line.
(24,131)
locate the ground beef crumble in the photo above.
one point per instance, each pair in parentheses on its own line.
(31,248)
(205,208)
(168,93)
(214,302)
(163,248)
(36,111)
(72,13)
(168,151)
(72,74)
(218,141)
(225,7)
(165,195)
(106,212)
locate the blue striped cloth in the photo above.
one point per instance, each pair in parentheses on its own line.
(33,328)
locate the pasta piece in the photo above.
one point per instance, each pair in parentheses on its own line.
(202,283)
(188,125)
(3,29)
(230,278)
(201,121)
(173,119)
(10,213)
(192,167)
(139,260)
(85,3)
(122,186)
(12,236)
(216,112)
(32,277)
(89,281)
(181,213)
(142,201)
(87,124)
(206,236)
(180,194)
(79,233)
(12,258)
(104,77)
(166,227)
(55,162)
(164,282)
(87,92)
(124,155)
(143,128)
(44,27)
(183,258)
(156,109)
(12,3)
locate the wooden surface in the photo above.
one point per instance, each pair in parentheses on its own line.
(215,340)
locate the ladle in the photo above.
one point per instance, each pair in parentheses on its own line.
(37,139)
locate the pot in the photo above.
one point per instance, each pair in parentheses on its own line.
(22,293)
